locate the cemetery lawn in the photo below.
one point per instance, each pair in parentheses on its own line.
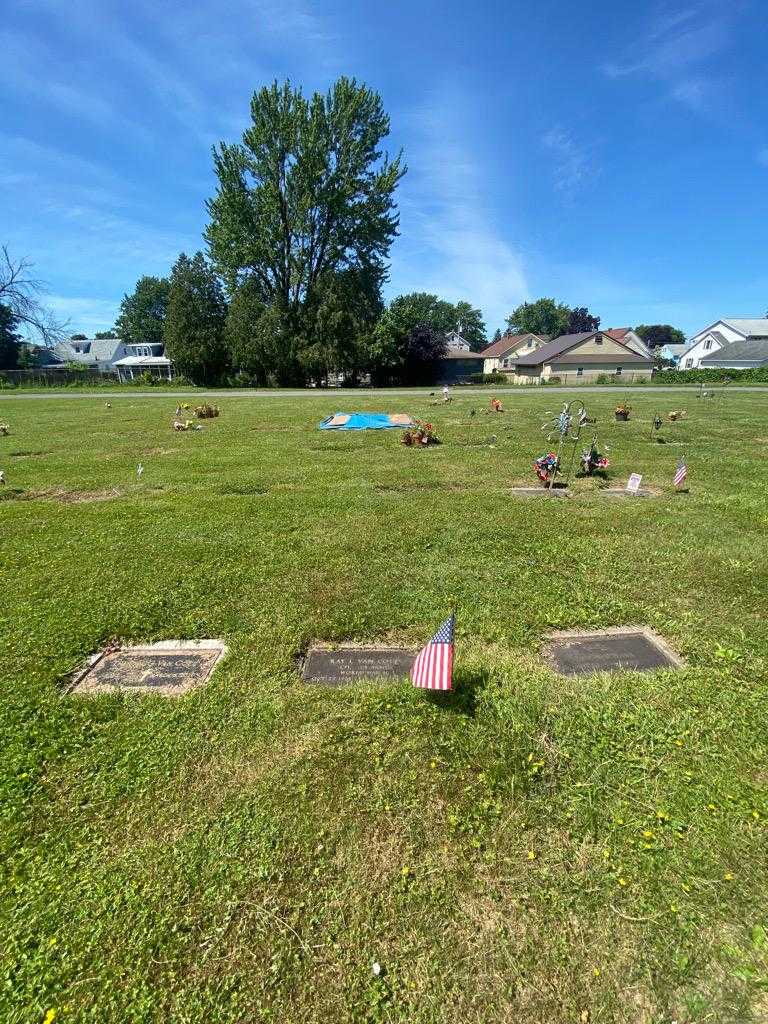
(528,848)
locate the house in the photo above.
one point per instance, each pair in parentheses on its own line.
(457,365)
(110,355)
(719,335)
(739,355)
(671,353)
(501,354)
(630,339)
(581,359)
(456,343)
(140,359)
(90,353)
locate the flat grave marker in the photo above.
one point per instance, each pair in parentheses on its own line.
(629,649)
(169,668)
(345,665)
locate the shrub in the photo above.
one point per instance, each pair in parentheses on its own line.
(710,375)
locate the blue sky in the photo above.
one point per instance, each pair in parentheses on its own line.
(611,154)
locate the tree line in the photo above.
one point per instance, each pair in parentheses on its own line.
(289,289)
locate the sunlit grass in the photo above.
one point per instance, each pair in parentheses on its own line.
(528,848)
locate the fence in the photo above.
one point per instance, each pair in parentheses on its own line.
(55,376)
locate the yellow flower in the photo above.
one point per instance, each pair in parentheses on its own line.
(678,743)
(686,888)
(433,764)
(648,834)
(728,876)
(596,972)
(50,1017)
(673,907)
(531,855)
(52,941)
(622,881)
(711,807)
(755,815)
(405,872)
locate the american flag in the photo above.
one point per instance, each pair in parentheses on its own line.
(433,667)
(680,473)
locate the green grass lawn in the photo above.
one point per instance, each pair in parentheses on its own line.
(528,848)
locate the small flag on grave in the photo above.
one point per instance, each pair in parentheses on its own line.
(680,473)
(433,667)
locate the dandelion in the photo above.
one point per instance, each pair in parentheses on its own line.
(711,807)
(596,972)
(622,881)
(756,815)
(405,871)
(531,855)
(728,876)
(673,907)
(50,1017)
(647,834)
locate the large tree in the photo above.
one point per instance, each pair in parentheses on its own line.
(307,195)
(142,313)
(194,323)
(581,320)
(19,291)
(472,325)
(410,339)
(544,316)
(656,335)
(9,339)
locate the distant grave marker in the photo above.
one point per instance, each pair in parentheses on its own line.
(633,484)
(169,668)
(351,664)
(574,653)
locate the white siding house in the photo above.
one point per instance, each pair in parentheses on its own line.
(718,336)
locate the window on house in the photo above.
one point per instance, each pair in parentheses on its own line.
(618,371)
(708,344)
(580,371)
(598,340)
(688,363)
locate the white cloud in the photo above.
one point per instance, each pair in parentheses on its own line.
(83,315)
(571,163)
(452,245)
(676,44)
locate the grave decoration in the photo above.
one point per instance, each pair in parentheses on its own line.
(655,424)
(496,405)
(547,467)
(677,414)
(592,460)
(564,428)
(4,429)
(681,474)
(2,477)
(184,425)
(420,435)
(622,411)
(206,411)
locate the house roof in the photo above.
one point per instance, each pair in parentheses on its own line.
(508,343)
(748,350)
(617,333)
(556,350)
(757,327)
(458,353)
(143,361)
(101,350)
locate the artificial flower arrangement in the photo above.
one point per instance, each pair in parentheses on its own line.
(206,411)
(546,467)
(592,460)
(420,434)
(622,411)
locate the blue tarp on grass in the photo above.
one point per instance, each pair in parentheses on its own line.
(365,421)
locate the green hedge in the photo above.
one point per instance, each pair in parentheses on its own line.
(488,378)
(757,375)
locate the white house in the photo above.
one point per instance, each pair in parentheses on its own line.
(109,355)
(671,353)
(456,343)
(719,335)
(739,355)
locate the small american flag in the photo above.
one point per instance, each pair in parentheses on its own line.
(680,473)
(433,668)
